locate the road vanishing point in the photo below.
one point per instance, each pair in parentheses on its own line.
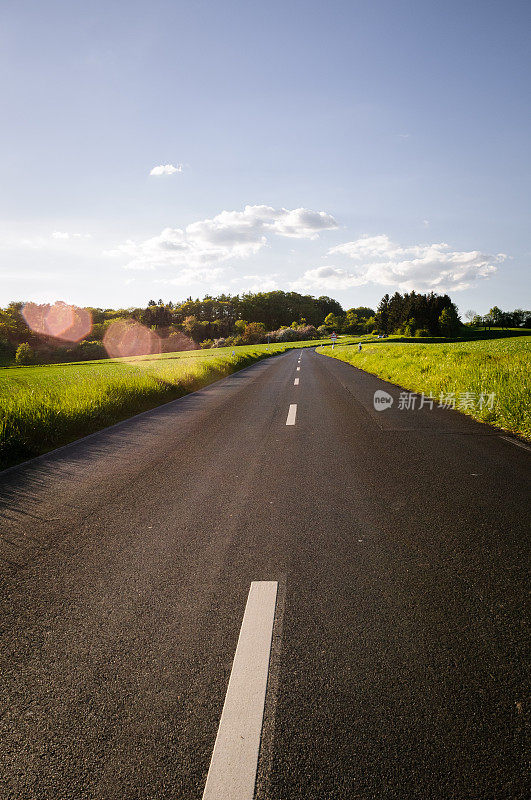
(268,589)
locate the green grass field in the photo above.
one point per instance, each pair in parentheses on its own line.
(43,407)
(501,366)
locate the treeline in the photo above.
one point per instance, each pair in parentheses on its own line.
(432,314)
(31,333)
(496,318)
(44,333)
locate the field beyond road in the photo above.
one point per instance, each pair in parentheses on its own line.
(489,379)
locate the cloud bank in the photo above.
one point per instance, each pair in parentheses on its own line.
(432,267)
(230,234)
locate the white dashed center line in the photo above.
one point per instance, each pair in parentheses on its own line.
(298,369)
(232,773)
(292,413)
(296,382)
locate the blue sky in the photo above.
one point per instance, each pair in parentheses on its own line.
(341,148)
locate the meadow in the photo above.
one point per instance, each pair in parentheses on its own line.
(499,366)
(43,407)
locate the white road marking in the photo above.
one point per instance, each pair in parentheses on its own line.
(292,413)
(298,369)
(518,444)
(232,772)
(296,382)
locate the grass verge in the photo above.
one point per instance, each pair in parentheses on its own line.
(499,366)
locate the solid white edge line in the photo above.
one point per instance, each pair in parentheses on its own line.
(232,772)
(292,413)
(518,444)
(296,382)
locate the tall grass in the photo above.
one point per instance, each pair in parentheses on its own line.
(500,366)
(44,407)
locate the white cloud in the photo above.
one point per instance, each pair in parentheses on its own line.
(326,279)
(166,169)
(259,283)
(188,276)
(367,247)
(301,223)
(230,234)
(432,267)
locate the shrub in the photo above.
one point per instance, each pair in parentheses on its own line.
(422,332)
(89,351)
(253,333)
(25,354)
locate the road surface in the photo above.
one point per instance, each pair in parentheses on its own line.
(395,543)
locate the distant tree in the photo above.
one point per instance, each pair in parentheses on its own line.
(327,306)
(519,316)
(382,314)
(196,329)
(332,322)
(410,327)
(363,312)
(496,315)
(470,315)
(351,322)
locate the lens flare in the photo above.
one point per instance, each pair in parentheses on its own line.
(62,321)
(128,338)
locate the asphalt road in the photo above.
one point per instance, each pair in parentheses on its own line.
(398,540)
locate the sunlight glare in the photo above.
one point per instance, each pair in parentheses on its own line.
(62,321)
(128,338)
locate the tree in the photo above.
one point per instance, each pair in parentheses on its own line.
(449,322)
(332,322)
(496,315)
(410,327)
(327,306)
(352,323)
(382,314)
(519,316)
(471,315)
(195,329)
